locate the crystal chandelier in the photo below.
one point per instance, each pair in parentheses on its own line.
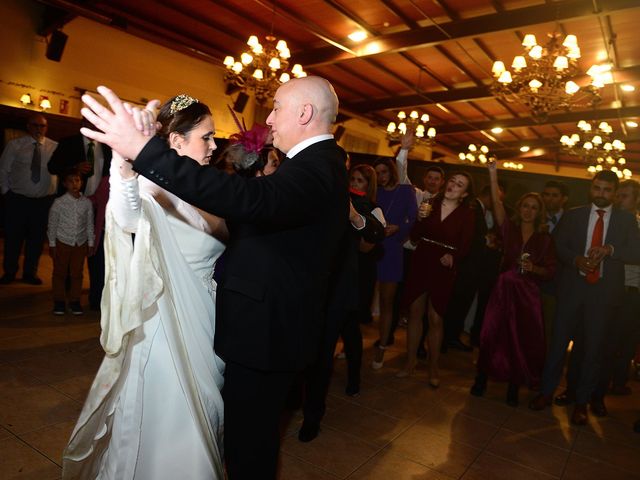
(479,153)
(598,147)
(263,69)
(543,78)
(415,123)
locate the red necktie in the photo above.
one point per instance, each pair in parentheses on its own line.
(596,241)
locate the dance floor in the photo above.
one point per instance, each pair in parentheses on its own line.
(396,429)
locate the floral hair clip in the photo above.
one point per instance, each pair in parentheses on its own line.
(252,141)
(181,102)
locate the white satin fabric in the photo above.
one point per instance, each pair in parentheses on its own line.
(154,410)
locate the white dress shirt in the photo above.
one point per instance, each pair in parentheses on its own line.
(71,221)
(296,149)
(98,163)
(15,168)
(593,218)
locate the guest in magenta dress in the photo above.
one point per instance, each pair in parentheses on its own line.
(443,237)
(512,344)
(398,203)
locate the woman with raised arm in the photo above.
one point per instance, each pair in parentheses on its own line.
(442,236)
(398,204)
(154,409)
(512,342)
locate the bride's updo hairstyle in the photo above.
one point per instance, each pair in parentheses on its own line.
(180,114)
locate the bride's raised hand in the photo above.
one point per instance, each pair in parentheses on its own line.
(145,119)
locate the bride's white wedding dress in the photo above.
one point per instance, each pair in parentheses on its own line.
(154,410)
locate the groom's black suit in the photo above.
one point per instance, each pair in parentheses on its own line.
(285,229)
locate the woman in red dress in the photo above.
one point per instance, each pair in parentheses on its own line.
(443,236)
(512,342)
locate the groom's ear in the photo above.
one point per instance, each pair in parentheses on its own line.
(305,114)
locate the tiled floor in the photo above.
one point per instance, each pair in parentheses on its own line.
(397,429)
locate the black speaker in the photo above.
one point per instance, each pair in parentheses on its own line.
(240,102)
(339,131)
(56,45)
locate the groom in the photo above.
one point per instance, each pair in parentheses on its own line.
(285,232)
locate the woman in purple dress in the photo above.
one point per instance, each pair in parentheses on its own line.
(512,342)
(398,203)
(443,236)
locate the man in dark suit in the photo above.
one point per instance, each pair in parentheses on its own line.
(285,230)
(593,242)
(93,160)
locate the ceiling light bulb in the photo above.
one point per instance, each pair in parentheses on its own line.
(536,52)
(45,104)
(357,36)
(498,68)
(391,127)
(237,67)
(496,130)
(285,77)
(402,115)
(424,118)
(414,114)
(253,41)
(472,148)
(631,124)
(525,148)
(281,45)
(571,87)
(246,59)
(431,133)
(505,77)
(597,140)
(570,41)
(402,128)
(25,99)
(229,61)
(519,63)
(257,74)
(274,63)
(484,149)
(529,41)
(462,156)
(561,63)
(535,84)
(627,88)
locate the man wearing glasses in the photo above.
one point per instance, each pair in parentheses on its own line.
(27,188)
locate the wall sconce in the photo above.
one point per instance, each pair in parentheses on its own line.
(45,104)
(25,99)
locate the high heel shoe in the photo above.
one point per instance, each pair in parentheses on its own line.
(377,364)
(479,386)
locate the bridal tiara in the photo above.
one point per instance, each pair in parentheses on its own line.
(181,102)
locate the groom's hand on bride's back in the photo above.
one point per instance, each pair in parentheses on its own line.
(119,127)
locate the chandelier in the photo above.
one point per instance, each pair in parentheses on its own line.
(543,78)
(263,69)
(479,153)
(598,147)
(415,123)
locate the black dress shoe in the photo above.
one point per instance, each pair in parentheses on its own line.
(7,279)
(32,280)
(598,408)
(308,431)
(479,386)
(458,345)
(564,399)
(352,390)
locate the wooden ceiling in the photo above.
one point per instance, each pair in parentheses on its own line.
(431,55)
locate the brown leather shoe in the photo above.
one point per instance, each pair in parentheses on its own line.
(564,399)
(540,402)
(598,408)
(580,416)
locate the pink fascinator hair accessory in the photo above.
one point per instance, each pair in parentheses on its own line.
(252,141)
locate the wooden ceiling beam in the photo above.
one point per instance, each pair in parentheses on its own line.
(569,117)
(430,36)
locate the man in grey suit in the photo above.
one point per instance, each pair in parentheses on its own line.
(593,243)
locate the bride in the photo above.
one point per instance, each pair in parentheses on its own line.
(154,410)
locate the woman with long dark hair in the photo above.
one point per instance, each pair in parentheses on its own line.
(512,344)
(443,236)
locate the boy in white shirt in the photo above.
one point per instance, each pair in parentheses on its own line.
(70,235)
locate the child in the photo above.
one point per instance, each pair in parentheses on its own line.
(70,235)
